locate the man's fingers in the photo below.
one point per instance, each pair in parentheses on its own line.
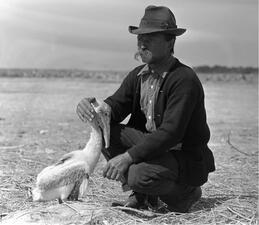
(86,103)
(106,168)
(86,107)
(118,177)
(109,172)
(85,113)
(91,99)
(114,174)
(82,115)
(122,179)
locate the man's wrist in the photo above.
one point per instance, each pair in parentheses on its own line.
(128,158)
(107,106)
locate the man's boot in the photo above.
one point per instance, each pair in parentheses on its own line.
(183,203)
(152,201)
(138,201)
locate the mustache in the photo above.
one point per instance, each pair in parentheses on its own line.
(142,50)
(143,54)
(137,56)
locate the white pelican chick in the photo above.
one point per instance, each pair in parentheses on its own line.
(68,178)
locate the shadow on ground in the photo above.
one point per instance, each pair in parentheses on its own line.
(213,202)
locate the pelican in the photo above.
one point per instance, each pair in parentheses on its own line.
(68,178)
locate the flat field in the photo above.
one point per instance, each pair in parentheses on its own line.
(38,124)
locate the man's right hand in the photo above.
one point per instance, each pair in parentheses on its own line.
(85,109)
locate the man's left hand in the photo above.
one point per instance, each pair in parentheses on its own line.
(117,166)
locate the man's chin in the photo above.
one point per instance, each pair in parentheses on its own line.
(146,61)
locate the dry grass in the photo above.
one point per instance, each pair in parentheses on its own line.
(34,135)
(223,202)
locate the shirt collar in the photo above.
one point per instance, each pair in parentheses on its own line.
(146,70)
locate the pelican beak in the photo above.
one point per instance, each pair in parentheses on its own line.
(105,122)
(106,129)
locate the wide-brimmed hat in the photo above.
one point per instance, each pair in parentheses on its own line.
(157,19)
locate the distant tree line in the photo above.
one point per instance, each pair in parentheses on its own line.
(225,69)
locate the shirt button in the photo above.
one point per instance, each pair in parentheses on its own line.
(149,117)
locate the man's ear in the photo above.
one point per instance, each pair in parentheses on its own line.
(171,45)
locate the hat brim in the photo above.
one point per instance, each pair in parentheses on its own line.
(137,30)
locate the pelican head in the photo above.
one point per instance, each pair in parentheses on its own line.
(101,121)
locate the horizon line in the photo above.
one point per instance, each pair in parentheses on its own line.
(84,69)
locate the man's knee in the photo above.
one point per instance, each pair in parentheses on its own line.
(137,177)
(141,177)
(150,178)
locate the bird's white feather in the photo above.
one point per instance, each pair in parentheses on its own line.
(60,179)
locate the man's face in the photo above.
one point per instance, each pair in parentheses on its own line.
(153,47)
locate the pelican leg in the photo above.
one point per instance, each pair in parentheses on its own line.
(60,201)
(75,191)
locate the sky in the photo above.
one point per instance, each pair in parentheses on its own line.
(93,34)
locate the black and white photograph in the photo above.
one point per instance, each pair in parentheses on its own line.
(128,112)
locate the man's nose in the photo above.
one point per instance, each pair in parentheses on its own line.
(141,47)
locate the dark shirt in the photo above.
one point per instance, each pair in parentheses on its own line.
(179,115)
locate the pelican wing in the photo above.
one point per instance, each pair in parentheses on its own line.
(61,175)
(65,157)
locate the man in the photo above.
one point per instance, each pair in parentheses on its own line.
(162,151)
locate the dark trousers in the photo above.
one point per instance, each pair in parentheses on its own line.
(154,177)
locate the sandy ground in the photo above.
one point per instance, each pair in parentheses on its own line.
(38,124)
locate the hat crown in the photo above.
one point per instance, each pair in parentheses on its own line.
(158,17)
